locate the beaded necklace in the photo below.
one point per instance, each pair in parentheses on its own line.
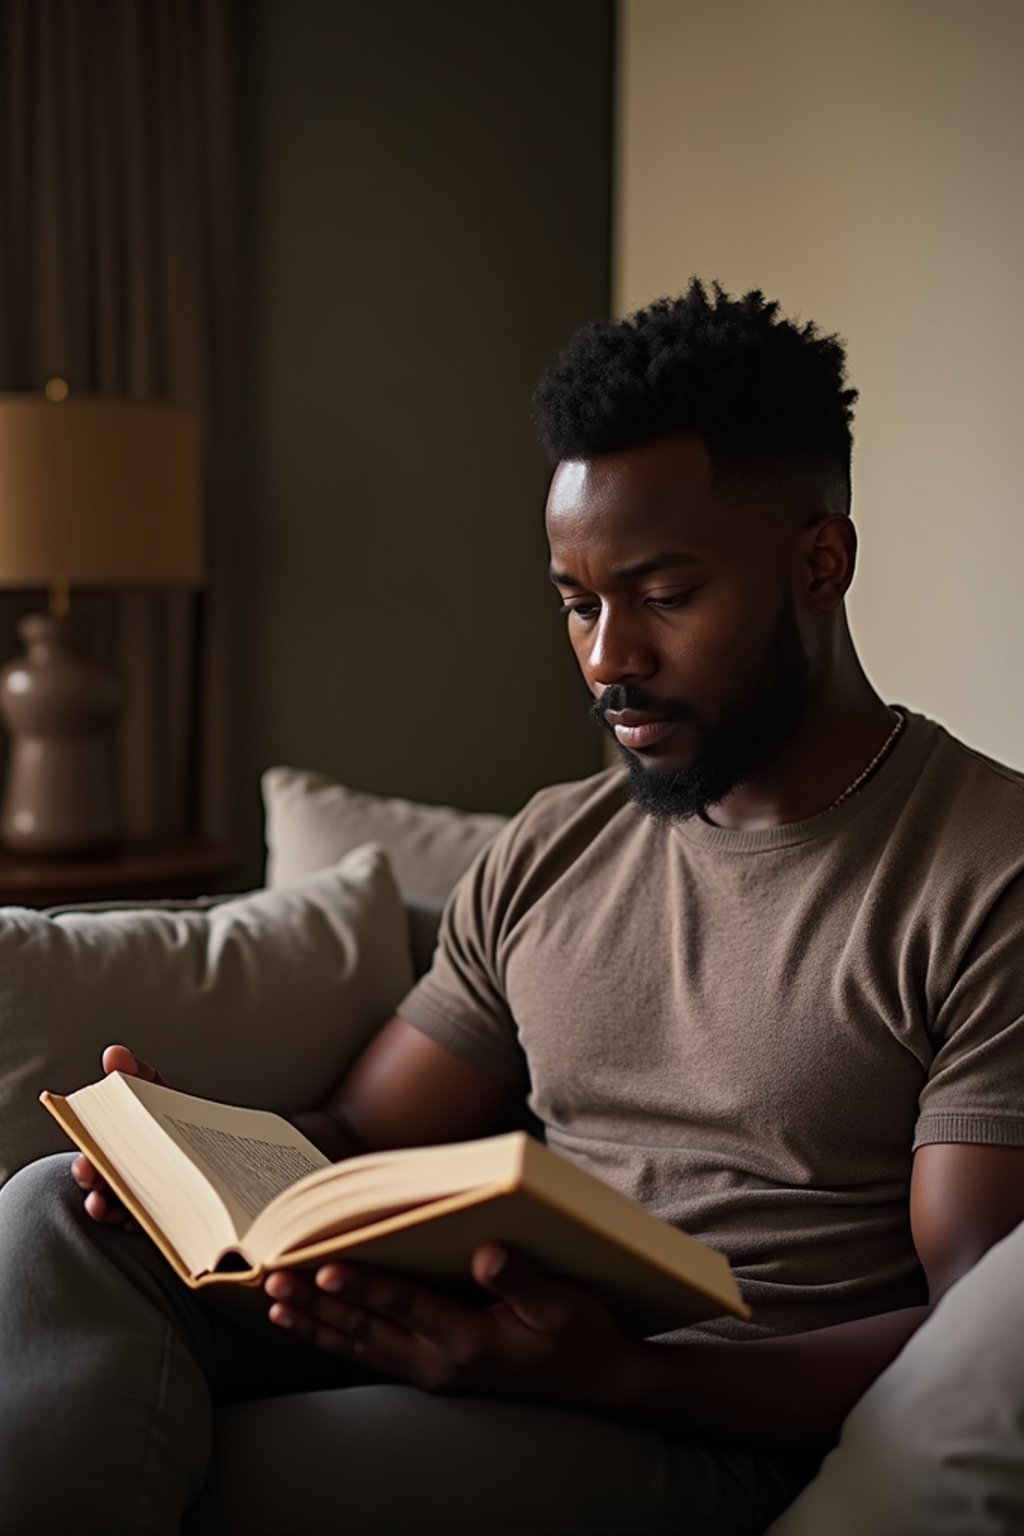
(883,751)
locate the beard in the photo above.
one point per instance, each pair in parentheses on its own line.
(751,732)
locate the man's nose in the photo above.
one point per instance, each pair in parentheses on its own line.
(618,652)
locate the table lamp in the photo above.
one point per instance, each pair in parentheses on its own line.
(95,492)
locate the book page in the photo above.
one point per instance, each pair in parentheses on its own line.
(247,1155)
(246,1170)
(365,1189)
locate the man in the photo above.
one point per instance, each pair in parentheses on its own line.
(763,981)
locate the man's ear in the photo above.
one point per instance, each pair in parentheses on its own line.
(826,557)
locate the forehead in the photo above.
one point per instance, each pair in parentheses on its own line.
(660,495)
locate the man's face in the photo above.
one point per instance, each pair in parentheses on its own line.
(680,610)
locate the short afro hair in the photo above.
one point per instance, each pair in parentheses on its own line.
(763,394)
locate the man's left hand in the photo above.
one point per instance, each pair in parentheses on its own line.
(544,1339)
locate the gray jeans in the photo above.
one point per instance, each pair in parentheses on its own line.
(130,1405)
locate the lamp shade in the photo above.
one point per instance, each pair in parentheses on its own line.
(99,492)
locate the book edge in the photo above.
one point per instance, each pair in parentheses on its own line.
(418,1215)
(72,1126)
(516,1182)
(736,1308)
(733,1302)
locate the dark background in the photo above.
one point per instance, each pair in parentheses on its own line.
(426,217)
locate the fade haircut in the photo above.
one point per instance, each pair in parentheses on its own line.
(767,397)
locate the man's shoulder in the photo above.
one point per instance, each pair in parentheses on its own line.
(968,773)
(565,819)
(986,772)
(975,800)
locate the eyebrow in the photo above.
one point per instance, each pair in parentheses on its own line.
(663,562)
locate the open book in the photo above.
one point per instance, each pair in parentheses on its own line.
(228,1194)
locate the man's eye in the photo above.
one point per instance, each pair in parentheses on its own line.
(581,610)
(674,599)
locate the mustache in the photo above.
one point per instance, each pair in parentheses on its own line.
(620,696)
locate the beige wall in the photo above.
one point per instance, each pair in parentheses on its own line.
(863,162)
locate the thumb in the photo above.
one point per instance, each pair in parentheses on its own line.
(538,1299)
(118,1058)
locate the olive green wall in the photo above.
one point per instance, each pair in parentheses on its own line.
(426,218)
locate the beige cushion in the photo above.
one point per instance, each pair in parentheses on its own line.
(262,999)
(933,1448)
(312,820)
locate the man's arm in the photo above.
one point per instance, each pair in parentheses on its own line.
(551,1340)
(786,1392)
(797,1389)
(405,1090)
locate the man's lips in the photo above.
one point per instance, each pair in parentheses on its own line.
(634,728)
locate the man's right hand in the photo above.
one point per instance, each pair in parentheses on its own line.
(100,1201)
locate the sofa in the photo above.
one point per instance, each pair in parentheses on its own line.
(264,998)
(348,917)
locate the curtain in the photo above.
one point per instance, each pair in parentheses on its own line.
(118,259)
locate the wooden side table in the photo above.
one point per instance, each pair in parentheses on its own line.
(183,868)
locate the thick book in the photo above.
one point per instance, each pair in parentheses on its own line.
(228,1194)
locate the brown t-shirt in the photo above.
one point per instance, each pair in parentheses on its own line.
(750,1032)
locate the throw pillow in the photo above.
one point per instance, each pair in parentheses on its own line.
(261,999)
(311,820)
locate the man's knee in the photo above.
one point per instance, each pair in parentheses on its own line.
(40,1191)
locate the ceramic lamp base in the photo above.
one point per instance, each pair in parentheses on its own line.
(59,705)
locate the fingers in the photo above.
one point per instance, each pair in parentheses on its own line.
(84,1174)
(298,1306)
(102,1206)
(367,1338)
(100,1203)
(118,1058)
(452,1328)
(397,1312)
(542,1302)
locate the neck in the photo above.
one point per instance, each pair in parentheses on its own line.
(844,726)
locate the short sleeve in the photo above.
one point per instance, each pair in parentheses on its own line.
(460,1002)
(975,1086)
